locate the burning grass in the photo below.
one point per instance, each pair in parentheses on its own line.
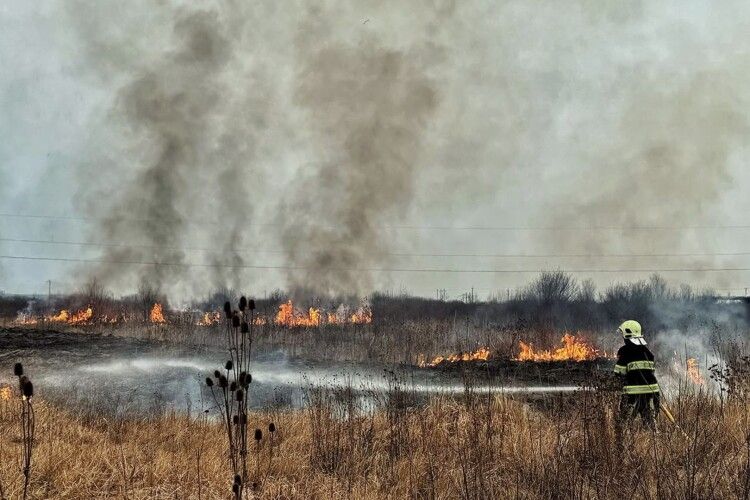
(571,348)
(481,354)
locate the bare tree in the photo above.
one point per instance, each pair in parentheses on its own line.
(553,286)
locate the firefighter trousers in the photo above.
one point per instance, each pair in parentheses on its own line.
(644,405)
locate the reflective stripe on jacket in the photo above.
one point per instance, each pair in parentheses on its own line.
(636,364)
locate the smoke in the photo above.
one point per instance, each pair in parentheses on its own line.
(666,167)
(658,155)
(315,130)
(184,152)
(366,107)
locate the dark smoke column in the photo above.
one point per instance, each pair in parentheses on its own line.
(366,108)
(167,107)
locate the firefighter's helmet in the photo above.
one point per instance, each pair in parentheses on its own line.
(630,329)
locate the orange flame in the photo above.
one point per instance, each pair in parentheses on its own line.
(572,349)
(82,316)
(60,318)
(6,393)
(210,319)
(156,315)
(363,316)
(694,372)
(481,354)
(288,316)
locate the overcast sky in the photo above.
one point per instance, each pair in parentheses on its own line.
(346,147)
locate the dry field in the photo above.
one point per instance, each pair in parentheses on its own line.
(473,446)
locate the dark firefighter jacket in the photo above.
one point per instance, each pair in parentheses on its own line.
(636,364)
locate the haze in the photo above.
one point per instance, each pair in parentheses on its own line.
(350,147)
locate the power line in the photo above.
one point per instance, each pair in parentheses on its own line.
(373,269)
(395,254)
(402,226)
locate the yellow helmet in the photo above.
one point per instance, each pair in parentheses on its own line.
(630,329)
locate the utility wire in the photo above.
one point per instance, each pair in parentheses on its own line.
(398,226)
(395,254)
(371,269)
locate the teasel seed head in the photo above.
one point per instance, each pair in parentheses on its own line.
(229,365)
(227,308)
(243,419)
(237,479)
(233,386)
(217,373)
(258,434)
(235,320)
(235,420)
(251,305)
(22,381)
(271,427)
(209,382)
(235,488)
(244,327)
(28,389)
(240,395)
(223,382)
(243,303)
(18,369)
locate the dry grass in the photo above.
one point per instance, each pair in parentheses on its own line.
(475,446)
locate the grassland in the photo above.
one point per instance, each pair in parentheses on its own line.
(473,446)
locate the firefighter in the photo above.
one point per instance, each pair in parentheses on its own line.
(635,365)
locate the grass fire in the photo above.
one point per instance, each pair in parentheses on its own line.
(355,250)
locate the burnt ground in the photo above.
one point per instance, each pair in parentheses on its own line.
(41,348)
(115,374)
(529,372)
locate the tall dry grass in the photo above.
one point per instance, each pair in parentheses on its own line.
(473,446)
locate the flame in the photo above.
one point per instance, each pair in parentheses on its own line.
(288,316)
(481,354)
(210,319)
(572,349)
(82,316)
(214,318)
(363,316)
(6,393)
(60,318)
(694,372)
(156,315)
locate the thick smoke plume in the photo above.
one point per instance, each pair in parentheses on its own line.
(187,156)
(366,108)
(311,130)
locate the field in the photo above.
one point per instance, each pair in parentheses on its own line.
(472,446)
(497,399)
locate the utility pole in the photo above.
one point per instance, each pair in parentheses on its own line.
(49,293)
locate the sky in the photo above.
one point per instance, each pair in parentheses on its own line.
(348,147)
